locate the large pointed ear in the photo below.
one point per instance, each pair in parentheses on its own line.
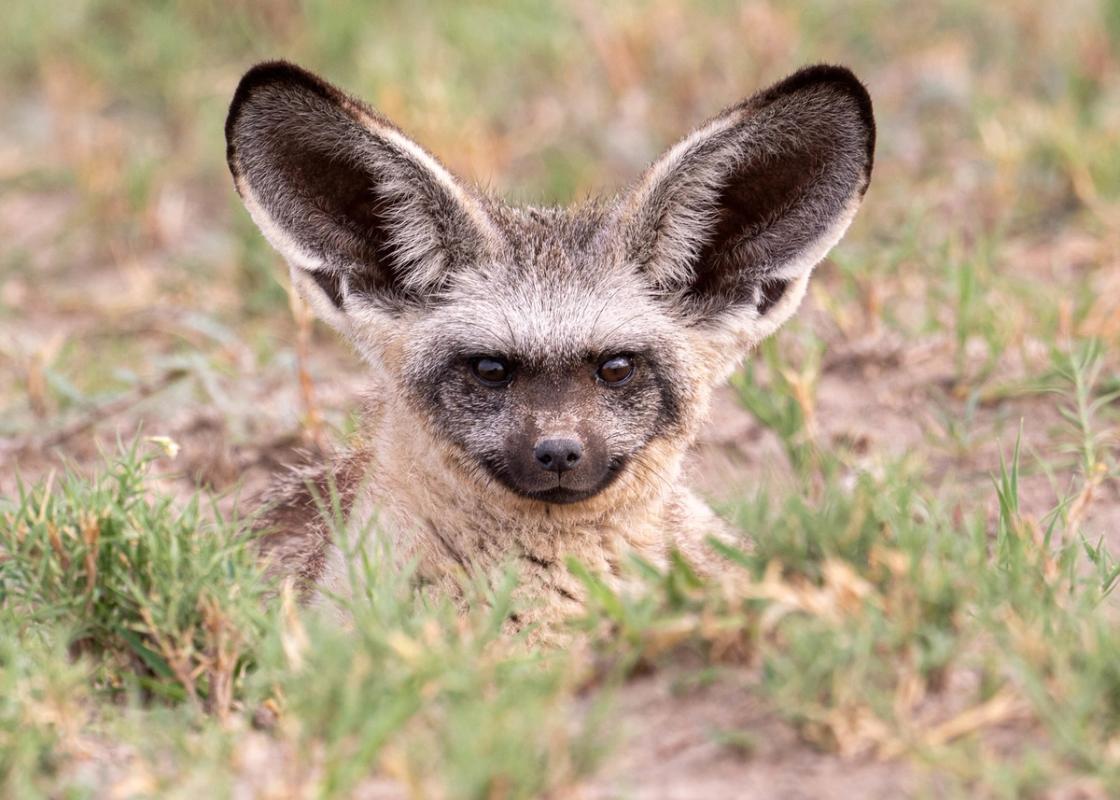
(364,216)
(730,222)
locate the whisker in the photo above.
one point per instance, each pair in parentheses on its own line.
(603,307)
(626,321)
(642,460)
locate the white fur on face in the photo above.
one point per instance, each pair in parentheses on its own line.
(545,318)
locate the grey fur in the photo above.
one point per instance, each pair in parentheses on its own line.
(706,255)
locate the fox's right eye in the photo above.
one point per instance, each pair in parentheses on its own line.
(492,372)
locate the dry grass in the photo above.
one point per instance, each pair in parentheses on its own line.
(903,627)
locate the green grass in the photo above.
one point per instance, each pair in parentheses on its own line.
(944,601)
(148,614)
(865,599)
(43,706)
(165,601)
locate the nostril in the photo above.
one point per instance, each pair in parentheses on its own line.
(558,455)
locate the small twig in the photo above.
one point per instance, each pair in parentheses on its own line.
(1000,709)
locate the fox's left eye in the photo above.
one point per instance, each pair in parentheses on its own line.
(616,370)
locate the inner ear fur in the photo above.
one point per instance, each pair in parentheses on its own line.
(342,193)
(735,213)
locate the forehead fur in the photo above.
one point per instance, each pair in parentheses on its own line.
(559,292)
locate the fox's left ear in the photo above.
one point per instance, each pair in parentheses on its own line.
(731,221)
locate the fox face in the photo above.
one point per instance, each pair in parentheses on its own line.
(551,367)
(559,356)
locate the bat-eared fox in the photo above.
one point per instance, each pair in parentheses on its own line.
(537,375)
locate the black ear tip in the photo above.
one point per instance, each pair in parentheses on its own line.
(278,72)
(264,74)
(838,79)
(835,77)
(834,74)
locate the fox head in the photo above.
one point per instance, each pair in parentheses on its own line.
(556,352)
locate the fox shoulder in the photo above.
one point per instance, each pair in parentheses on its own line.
(302,509)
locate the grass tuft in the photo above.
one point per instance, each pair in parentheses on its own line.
(165,598)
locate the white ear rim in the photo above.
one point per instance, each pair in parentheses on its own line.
(799,269)
(300,263)
(740,333)
(320,303)
(279,238)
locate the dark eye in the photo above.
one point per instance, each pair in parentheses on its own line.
(491,372)
(616,370)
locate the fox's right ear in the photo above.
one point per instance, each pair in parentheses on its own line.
(364,216)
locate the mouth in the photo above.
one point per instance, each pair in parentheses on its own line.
(558,494)
(561,495)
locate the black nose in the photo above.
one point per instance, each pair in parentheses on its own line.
(558,455)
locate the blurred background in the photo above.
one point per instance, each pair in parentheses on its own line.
(135,291)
